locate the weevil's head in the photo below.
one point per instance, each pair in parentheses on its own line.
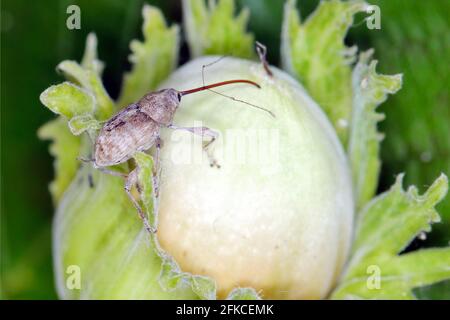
(161,105)
(174,96)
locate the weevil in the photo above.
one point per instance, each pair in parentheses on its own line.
(137,128)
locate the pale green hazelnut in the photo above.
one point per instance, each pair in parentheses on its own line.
(277,215)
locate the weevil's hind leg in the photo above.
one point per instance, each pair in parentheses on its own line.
(130,182)
(203,132)
(91,180)
(157,166)
(89,175)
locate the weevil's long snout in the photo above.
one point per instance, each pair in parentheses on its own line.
(219,84)
(224,83)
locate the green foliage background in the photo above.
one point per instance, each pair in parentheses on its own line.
(414,40)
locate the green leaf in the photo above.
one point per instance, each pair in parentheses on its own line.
(77,101)
(243,294)
(92,82)
(214,30)
(314,52)
(370,90)
(90,60)
(88,76)
(385,228)
(64,148)
(203,286)
(154,59)
(82,123)
(97,230)
(146,182)
(171,277)
(68,100)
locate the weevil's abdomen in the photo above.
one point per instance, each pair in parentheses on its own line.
(129,131)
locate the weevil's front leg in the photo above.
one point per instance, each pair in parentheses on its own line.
(130,182)
(101,169)
(203,132)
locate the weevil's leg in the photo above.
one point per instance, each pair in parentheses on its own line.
(203,132)
(89,176)
(157,166)
(130,182)
(90,159)
(90,180)
(158,146)
(112,172)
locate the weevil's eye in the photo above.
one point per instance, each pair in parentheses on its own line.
(179,96)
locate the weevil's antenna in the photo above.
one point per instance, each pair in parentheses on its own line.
(223,83)
(262,53)
(218,84)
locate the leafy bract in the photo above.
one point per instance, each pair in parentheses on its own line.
(369,91)
(171,277)
(88,76)
(385,228)
(153,59)
(90,59)
(64,148)
(243,294)
(82,123)
(68,100)
(214,30)
(98,233)
(78,102)
(315,53)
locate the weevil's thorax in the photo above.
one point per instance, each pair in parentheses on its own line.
(161,105)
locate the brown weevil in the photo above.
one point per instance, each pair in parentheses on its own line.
(137,128)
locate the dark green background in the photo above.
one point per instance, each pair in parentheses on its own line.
(414,39)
